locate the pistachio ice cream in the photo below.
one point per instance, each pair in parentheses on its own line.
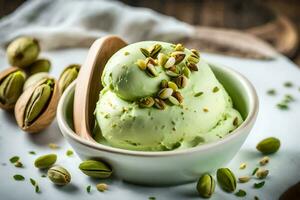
(158,96)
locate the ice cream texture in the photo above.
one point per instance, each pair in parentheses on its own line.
(204,114)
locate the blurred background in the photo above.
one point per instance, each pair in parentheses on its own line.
(274,21)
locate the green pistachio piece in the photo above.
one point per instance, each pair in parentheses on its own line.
(145,52)
(162,59)
(192,66)
(34,79)
(146,102)
(45,161)
(154,50)
(67,77)
(11,87)
(226,179)
(179,47)
(59,175)
(269,145)
(186,71)
(38,101)
(40,65)
(165,93)
(178,55)
(181,81)
(95,169)
(206,185)
(193,59)
(23,51)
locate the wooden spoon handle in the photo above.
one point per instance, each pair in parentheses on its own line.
(89,85)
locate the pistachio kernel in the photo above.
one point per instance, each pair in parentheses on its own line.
(146,102)
(159,103)
(265,160)
(145,52)
(141,64)
(173,100)
(244,179)
(243,165)
(151,61)
(193,59)
(59,175)
(170,62)
(165,93)
(262,173)
(178,55)
(162,59)
(172,85)
(102,187)
(195,53)
(192,66)
(186,71)
(179,47)
(226,179)
(181,81)
(206,185)
(171,73)
(94,168)
(154,50)
(178,96)
(164,83)
(151,71)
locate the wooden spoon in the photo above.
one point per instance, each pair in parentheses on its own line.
(89,84)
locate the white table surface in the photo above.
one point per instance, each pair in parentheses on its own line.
(284,165)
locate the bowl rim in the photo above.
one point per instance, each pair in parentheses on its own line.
(250,119)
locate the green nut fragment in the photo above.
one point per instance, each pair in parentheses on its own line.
(269,145)
(192,66)
(151,71)
(141,64)
(154,50)
(59,175)
(145,52)
(178,96)
(172,85)
(206,185)
(45,161)
(181,81)
(38,102)
(186,71)
(96,169)
(68,76)
(170,63)
(193,59)
(162,59)
(23,51)
(179,47)
(262,173)
(195,53)
(173,100)
(40,65)
(146,102)
(178,55)
(159,103)
(226,179)
(102,187)
(34,79)
(164,83)
(11,87)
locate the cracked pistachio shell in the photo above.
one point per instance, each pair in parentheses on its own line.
(40,65)
(32,80)
(226,179)
(95,169)
(36,107)
(11,86)
(23,51)
(59,175)
(269,145)
(206,185)
(69,74)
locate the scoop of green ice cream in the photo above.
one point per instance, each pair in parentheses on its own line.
(206,113)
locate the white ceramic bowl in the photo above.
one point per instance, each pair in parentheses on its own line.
(169,167)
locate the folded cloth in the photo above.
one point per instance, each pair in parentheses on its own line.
(77,23)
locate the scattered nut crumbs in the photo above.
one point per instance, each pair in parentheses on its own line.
(241,193)
(69,153)
(102,187)
(259,185)
(244,179)
(19,177)
(14,159)
(53,146)
(254,171)
(265,160)
(88,189)
(288,84)
(271,92)
(243,166)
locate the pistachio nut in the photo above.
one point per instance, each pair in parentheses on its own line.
(173,100)
(154,50)
(178,96)
(265,160)
(269,145)
(145,52)
(141,64)
(151,61)
(23,51)
(181,81)
(178,55)
(164,83)
(206,185)
(162,59)
(165,93)
(172,85)
(192,66)
(35,78)
(36,107)
(11,87)
(40,65)
(146,102)
(102,187)
(59,175)
(170,62)
(95,169)
(67,77)
(186,71)
(244,179)
(195,53)
(171,73)
(179,47)
(151,71)
(159,103)
(226,179)
(45,161)
(193,59)
(262,173)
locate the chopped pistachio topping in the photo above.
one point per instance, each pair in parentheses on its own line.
(259,184)
(271,92)
(14,159)
(88,189)
(243,166)
(53,146)
(19,177)
(254,171)
(262,173)
(288,84)
(265,160)
(198,94)
(240,193)
(102,187)
(244,179)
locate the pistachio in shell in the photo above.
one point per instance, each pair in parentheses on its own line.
(68,75)
(32,80)
(23,51)
(226,179)
(206,185)
(36,107)
(40,65)
(11,86)
(59,175)
(96,169)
